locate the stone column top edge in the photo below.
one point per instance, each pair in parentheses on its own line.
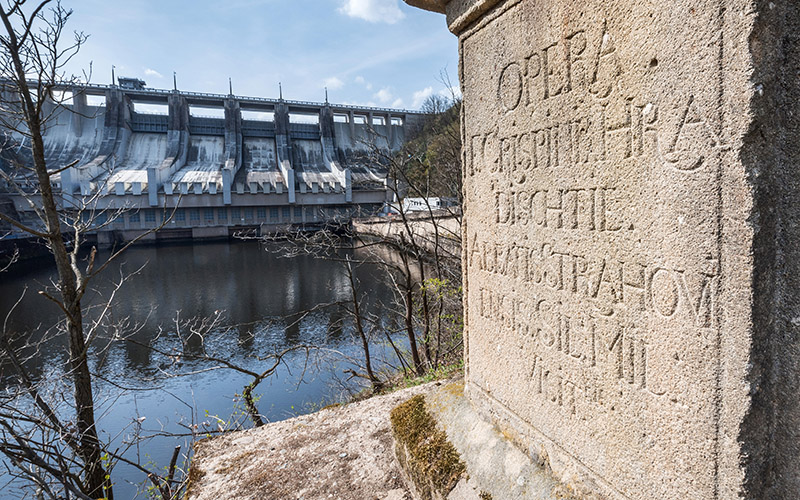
(460,13)
(432,5)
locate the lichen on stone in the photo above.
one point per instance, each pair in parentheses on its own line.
(195,475)
(423,450)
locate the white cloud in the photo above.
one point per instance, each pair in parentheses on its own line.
(152,72)
(374,11)
(361,81)
(384,95)
(420,96)
(398,103)
(333,83)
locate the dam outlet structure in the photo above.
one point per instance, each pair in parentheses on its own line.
(216,164)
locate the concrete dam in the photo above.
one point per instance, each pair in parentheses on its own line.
(222,162)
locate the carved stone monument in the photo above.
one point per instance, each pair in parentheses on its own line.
(632,239)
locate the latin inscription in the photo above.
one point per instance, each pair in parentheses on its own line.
(607,283)
(614,126)
(589,209)
(611,131)
(588,317)
(559,68)
(578,339)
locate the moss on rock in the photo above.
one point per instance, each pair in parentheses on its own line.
(423,450)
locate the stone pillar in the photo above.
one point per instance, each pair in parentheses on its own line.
(233,147)
(79,109)
(631,229)
(177,143)
(351,121)
(389,130)
(116,133)
(326,122)
(178,112)
(283,147)
(49,105)
(326,133)
(117,108)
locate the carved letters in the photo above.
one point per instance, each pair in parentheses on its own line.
(556,69)
(584,345)
(550,177)
(568,67)
(584,140)
(588,209)
(693,140)
(607,284)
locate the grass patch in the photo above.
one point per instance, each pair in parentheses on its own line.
(442,372)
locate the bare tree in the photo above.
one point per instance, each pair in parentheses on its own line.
(193,340)
(328,244)
(57,450)
(358,320)
(429,241)
(423,262)
(426,288)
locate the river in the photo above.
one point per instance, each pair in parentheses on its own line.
(274,301)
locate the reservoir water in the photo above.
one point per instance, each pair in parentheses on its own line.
(274,303)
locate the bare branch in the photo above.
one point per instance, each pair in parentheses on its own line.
(23,227)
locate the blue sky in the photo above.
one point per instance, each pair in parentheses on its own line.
(368,52)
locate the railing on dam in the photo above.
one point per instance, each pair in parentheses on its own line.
(100,89)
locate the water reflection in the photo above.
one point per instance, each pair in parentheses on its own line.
(243,279)
(266,296)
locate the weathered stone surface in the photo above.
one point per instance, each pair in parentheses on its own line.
(344,452)
(434,5)
(488,465)
(495,467)
(631,239)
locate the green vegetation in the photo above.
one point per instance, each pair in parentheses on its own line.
(434,151)
(195,475)
(423,449)
(442,372)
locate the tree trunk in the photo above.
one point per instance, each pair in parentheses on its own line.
(89,445)
(412,337)
(250,404)
(376,383)
(426,314)
(70,277)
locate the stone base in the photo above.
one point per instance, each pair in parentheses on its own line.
(573,476)
(342,452)
(495,468)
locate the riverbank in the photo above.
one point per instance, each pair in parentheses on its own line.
(19,246)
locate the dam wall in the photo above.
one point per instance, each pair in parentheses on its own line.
(133,148)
